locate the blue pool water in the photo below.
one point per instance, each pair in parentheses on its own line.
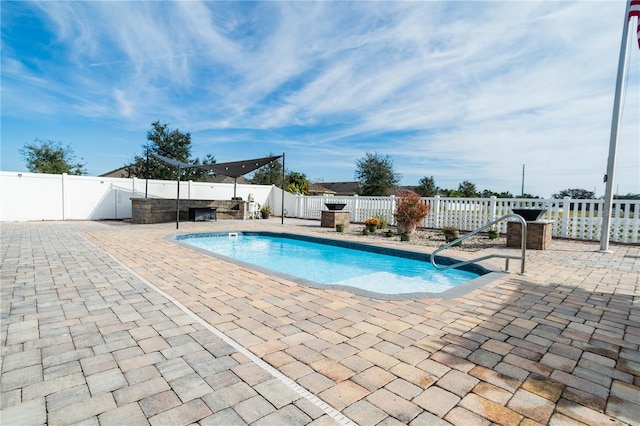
(333,265)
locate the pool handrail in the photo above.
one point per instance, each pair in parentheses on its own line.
(523,246)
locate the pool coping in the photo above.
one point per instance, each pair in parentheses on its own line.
(489,275)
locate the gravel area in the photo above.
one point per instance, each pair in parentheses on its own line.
(421,237)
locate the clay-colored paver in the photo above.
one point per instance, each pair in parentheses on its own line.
(107,322)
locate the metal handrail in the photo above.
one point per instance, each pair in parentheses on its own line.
(523,246)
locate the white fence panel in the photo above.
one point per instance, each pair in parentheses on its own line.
(463,213)
(161,189)
(225,191)
(368,207)
(36,196)
(97,198)
(204,191)
(360,208)
(31,196)
(625,221)
(587,223)
(579,219)
(312,206)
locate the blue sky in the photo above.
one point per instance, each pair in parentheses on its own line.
(455,90)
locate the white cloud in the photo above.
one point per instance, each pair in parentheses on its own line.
(458,90)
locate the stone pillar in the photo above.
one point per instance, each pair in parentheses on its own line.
(538,234)
(331,218)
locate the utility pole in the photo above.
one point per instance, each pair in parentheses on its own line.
(522,189)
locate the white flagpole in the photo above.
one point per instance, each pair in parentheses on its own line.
(613,141)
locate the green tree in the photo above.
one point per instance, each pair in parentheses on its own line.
(488,193)
(170,143)
(297,183)
(269,174)
(427,187)
(376,175)
(575,193)
(629,196)
(51,157)
(467,189)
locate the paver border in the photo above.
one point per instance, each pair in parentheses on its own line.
(489,275)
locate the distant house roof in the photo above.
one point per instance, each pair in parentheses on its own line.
(343,188)
(319,189)
(117,173)
(228,179)
(411,189)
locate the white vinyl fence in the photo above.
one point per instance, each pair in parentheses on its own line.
(35,196)
(577,219)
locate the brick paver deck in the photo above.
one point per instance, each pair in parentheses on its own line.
(110,323)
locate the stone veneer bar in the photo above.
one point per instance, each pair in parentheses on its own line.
(161,210)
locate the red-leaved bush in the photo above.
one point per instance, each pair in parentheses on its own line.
(410,210)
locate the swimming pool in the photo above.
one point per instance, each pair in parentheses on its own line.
(324,263)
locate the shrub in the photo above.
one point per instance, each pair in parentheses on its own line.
(451,233)
(449,229)
(383,220)
(372,221)
(410,211)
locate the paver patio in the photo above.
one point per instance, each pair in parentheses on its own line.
(111,323)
